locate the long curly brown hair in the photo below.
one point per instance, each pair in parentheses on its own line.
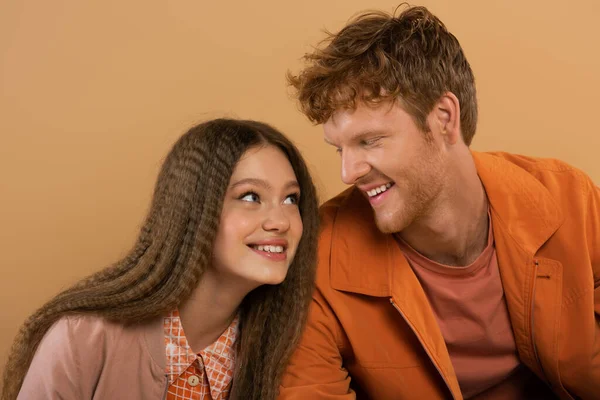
(174,249)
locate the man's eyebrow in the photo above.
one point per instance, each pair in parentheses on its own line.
(359,135)
(362,134)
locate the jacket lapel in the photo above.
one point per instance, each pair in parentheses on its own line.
(412,303)
(524,217)
(367,261)
(362,257)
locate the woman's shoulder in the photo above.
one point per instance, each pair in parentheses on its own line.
(81,327)
(74,336)
(68,359)
(84,354)
(90,329)
(87,339)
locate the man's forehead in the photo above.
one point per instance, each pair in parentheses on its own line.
(361,109)
(357,121)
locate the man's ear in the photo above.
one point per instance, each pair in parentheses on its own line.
(445,118)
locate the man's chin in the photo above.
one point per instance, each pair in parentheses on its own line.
(387,224)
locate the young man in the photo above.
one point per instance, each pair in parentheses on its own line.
(443,272)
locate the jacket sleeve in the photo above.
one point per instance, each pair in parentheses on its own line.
(593,235)
(64,364)
(315,371)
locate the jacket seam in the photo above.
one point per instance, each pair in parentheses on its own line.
(337,328)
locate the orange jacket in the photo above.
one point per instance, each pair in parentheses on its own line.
(372,334)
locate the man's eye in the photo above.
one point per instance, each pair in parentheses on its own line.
(371,142)
(250,197)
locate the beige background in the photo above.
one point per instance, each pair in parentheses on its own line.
(93,93)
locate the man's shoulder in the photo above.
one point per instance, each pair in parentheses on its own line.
(555,175)
(332,205)
(533,164)
(349,211)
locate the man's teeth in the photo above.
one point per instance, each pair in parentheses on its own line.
(378,190)
(270,249)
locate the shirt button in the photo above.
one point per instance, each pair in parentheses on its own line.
(194,380)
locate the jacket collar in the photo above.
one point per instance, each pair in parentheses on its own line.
(361,255)
(519,202)
(363,258)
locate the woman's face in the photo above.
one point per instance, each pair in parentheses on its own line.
(260,225)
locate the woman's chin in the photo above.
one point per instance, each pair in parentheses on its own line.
(270,277)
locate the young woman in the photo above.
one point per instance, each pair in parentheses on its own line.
(211,300)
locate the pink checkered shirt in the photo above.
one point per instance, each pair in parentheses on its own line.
(203,376)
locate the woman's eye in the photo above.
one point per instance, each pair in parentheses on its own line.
(291,199)
(250,197)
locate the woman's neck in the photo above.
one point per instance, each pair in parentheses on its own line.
(210,310)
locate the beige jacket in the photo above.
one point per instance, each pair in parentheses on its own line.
(85,357)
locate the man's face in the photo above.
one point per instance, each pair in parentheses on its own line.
(399,168)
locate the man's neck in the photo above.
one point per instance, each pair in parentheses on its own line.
(455,231)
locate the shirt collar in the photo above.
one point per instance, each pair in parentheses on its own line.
(214,359)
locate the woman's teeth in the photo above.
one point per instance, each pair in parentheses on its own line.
(269,249)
